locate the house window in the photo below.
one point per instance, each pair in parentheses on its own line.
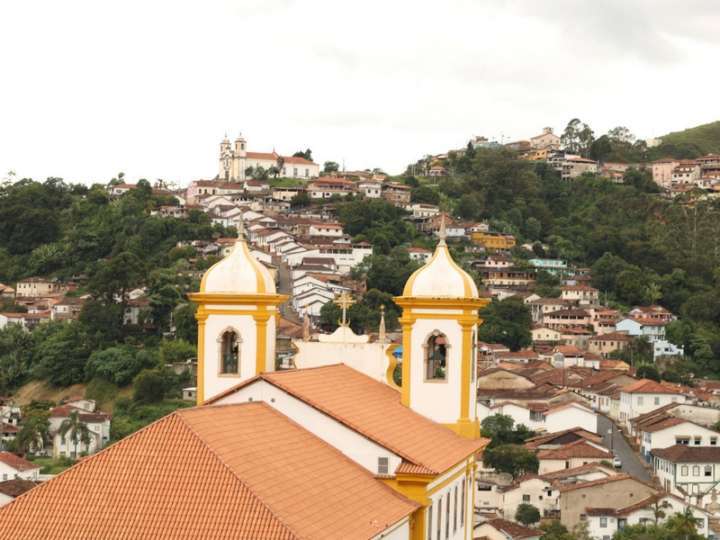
(681,439)
(447,515)
(382,465)
(436,357)
(713,441)
(684,470)
(708,470)
(295,171)
(697,440)
(640,400)
(430,515)
(603,522)
(455,509)
(657,400)
(462,510)
(696,470)
(526,498)
(439,519)
(230,352)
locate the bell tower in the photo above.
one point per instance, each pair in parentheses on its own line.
(237,315)
(239,158)
(440,305)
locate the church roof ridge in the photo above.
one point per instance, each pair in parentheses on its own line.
(336,390)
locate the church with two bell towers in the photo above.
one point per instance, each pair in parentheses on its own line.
(339,376)
(332,448)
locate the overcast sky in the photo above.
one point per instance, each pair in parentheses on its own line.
(90,88)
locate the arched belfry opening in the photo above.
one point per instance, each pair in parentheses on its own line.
(436,354)
(229,352)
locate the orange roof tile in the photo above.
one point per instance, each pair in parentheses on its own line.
(647,386)
(579,448)
(373,409)
(235,471)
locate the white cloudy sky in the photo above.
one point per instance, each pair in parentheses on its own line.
(90,88)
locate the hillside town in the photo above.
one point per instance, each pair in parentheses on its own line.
(575,425)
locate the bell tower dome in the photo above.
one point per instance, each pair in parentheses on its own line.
(440,305)
(237,315)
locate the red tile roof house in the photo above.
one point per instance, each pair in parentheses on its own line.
(645,396)
(10,489)
(575,454)
(13,466)
(506,530)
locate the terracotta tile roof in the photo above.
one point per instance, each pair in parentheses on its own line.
(547,438)
(16,462)
(600,482)
(224,472)
(577,471)
(373,409)
(680,453)
(647,386)
(663,424)
(8,428)
(16,487)
(512,529)
(577,449)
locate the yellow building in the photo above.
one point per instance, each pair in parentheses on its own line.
(493,240)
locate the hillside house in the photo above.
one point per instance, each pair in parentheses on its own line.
(645,396)
(690,472)
(14,467)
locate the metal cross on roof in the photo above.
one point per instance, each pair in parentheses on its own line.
(345,301)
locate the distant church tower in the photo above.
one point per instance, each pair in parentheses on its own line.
(237,315)
(232,161)
(439,327)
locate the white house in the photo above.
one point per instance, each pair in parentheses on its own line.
(419,254)
(572,455)
(671,431)
(370,188)
(603,523)
(97,423)
(690,472)
(529,489)
(13,466)
(644,396)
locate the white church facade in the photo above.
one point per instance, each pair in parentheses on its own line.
(235,161)
(330,449)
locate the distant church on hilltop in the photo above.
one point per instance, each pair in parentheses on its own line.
(235,162)
(337,450)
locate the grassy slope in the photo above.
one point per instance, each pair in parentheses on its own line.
(41,390)
(706,137)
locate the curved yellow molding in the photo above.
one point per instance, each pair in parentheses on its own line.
(391,366)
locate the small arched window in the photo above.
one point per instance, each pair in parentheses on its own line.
(436,357)
(230,352)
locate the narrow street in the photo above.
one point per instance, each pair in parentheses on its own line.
(631,462)
(284,287)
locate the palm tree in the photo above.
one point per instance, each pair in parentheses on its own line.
(78,430)
(33,434)
(659,507)
(683,524)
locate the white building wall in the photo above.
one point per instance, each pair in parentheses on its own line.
(450,523)
(700,436)
(571,417)
(632,405)
(537,492)
(244,325)
(9,473)
(437,400)
(360,449)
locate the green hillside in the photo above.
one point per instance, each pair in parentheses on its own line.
(697,141)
